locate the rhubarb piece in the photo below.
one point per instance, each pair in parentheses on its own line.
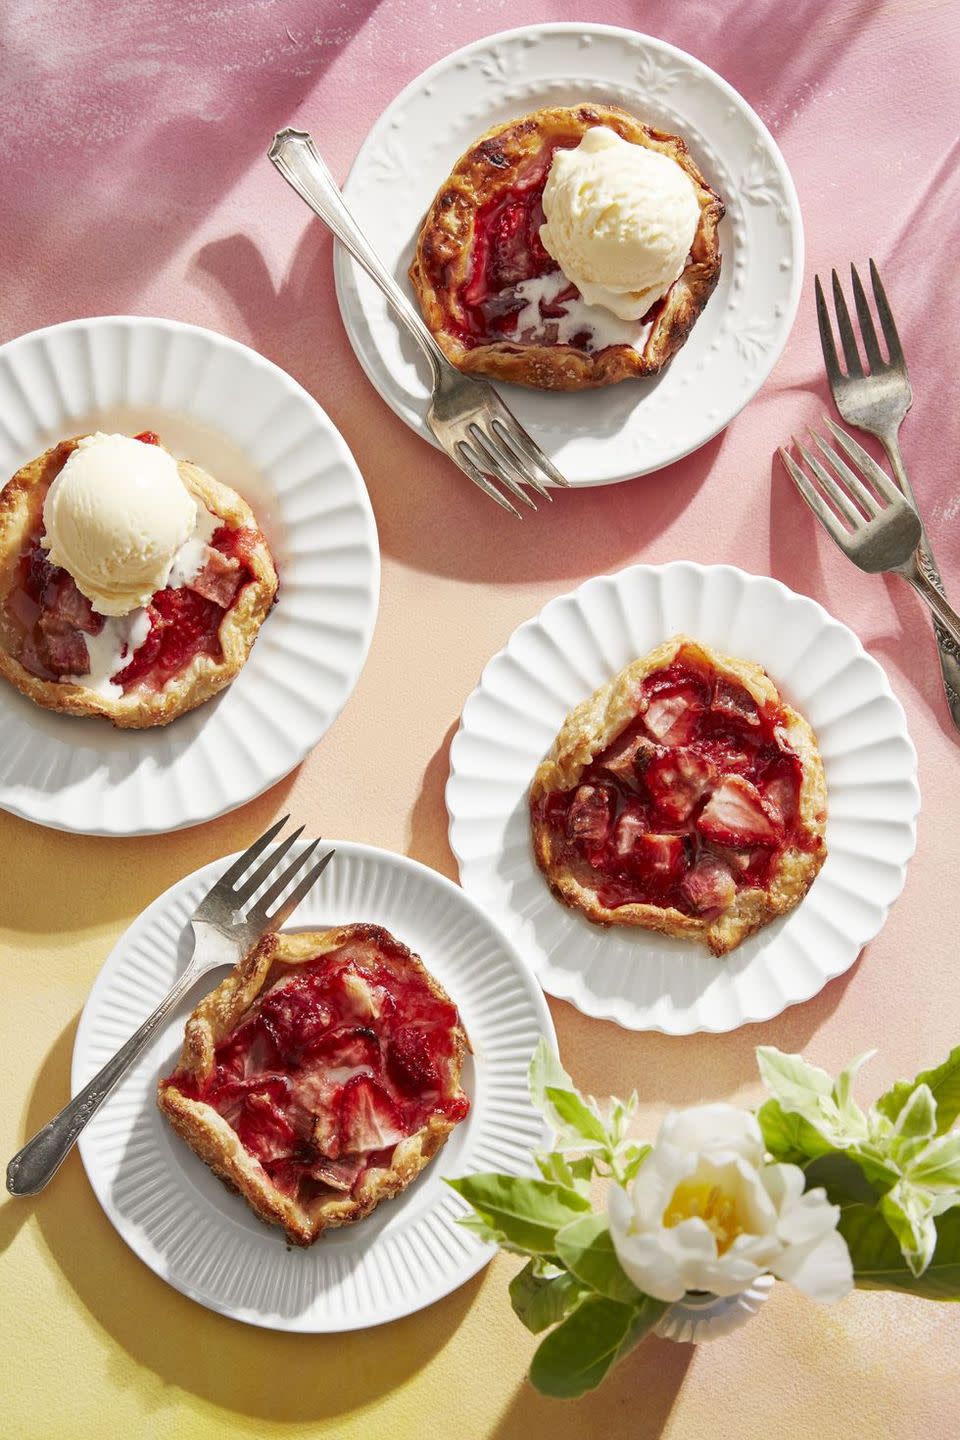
(685,797)
(314,1117)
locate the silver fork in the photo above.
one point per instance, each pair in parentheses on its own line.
(877,401)
(222,935)
(873,524)
(466,414)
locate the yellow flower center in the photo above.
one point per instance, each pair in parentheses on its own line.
(695,1199)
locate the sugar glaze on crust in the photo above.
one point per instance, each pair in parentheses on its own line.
(21,509)
(598,721)
(214,1139)
(494,165)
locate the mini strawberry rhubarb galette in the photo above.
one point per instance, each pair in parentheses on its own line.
(684,796)
(320,1077)
(132,585)
(572,248)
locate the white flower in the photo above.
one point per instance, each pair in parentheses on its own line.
(706,1213)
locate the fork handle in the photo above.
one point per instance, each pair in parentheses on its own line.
(947,644)
(944,612)
(297,158)
(40,1159)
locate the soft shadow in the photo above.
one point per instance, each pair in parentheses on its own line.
(292,1378)
(644,1387)
(417,493)
(153,137)
(106,879)
(678,1070)
(795,59)
(428,840)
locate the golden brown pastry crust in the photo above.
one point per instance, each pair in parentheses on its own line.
(21,506)
(215,1141)
(597,721)
(441,262)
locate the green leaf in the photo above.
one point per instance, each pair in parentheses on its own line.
(879,1265)
(527,1213)
(789,1137)
(918,1116)
(907,1212)
(546,1074)
(577,1114)
(844,1084)
(631,1158)
(938,1164)
(585,1247)
(791,1080)
(842,1178)
(576,1355)
(944,1083)
(645,1316)
(542,1300)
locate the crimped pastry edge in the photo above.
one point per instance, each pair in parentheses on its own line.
(212,1138)
(445,241)
(204,677)
(597,721)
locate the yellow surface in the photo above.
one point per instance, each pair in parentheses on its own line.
(96,1345)
(171,107)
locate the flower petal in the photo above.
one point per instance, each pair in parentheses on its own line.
(811,1216)
(820,1268)
(651,1266)
(714,1127)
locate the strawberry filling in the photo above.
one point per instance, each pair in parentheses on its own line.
(49,618)
(339,1060)
(695,800)
(506,251)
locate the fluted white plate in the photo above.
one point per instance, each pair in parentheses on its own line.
(182,1222)
(246,421)
(577,642)
(597,436)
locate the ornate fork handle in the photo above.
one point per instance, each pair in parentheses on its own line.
(40,1159)
(947,646)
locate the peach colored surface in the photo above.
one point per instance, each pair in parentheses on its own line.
(133,179)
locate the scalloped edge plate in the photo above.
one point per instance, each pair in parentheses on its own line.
(206,1242)
(596,437)
(577,642)
(221,404)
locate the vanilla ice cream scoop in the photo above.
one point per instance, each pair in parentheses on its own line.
(620,220)
(115,517)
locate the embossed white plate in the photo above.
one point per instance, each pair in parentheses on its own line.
(577,642)
(245,420)
(597,436)
(182,1222)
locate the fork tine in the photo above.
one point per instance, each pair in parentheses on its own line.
(847,338)
(878,478)
(259,911)
(280,918)
(834,492)
(867,330)
(470,468)
(887,323)
(492,461)
(263,871)
(827,344)
(520,460)
(815,501)
(854,485)
(509,424)
(240,867)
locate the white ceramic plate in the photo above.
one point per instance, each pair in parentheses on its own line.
(222,405)
(180,1220)
(577,642)
(604,435)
